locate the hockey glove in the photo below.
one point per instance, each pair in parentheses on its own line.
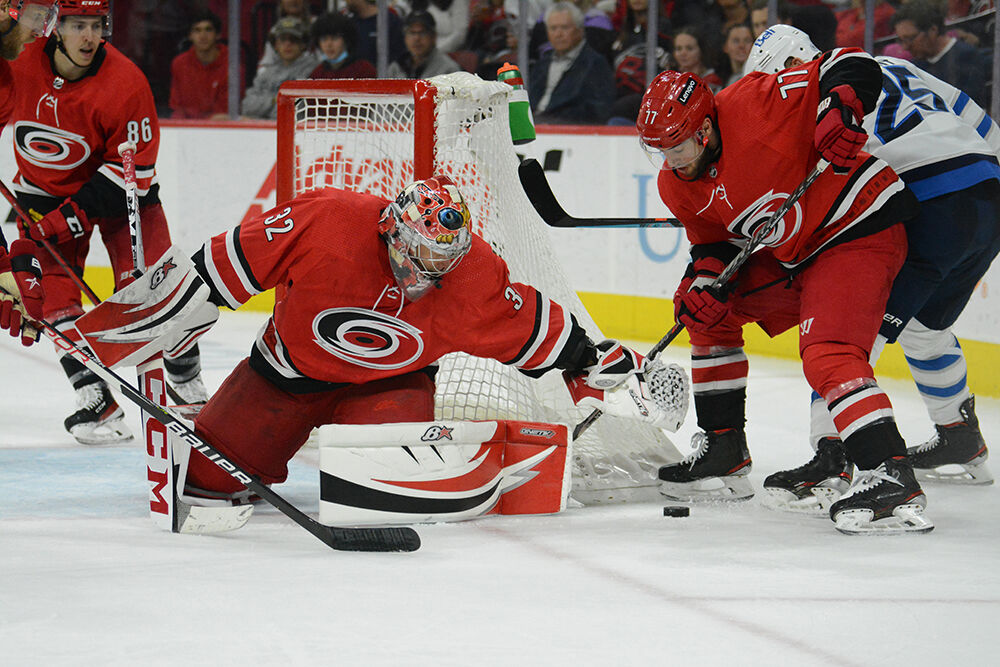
(839,135)
(698,305)
(21,292)
(657,395)
(65,223)
(615,363)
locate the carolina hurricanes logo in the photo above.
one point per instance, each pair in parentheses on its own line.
(50,147)
(759,212)
(368,338)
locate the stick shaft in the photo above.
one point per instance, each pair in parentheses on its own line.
(26,220)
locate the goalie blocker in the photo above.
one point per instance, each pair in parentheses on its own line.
(422,472)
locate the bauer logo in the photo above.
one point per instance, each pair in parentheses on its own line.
(437,432)
(538,432)
(686,93)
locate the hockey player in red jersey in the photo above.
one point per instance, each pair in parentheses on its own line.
(77,99)
(21,22)
(370,293)
(729,162)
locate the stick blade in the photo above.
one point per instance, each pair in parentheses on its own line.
(536,186)
(371,539)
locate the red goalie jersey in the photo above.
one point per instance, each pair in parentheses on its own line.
(66,133)
(339,316)
(767,123)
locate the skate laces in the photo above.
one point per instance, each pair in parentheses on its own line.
(90,396)
(865,480)
(933,442)
(700,442)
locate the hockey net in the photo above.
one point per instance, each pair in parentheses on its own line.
(379,135)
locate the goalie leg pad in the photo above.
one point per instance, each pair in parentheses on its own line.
(441,471)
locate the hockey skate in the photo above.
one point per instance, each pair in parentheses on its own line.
(716,470)
(956,454)
(188,392)
(811,488)
(100,420)
(887,500)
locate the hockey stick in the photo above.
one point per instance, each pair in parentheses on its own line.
(25,221)
(755,240)
(342,539)
(536,186)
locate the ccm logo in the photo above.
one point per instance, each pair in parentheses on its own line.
(538,432)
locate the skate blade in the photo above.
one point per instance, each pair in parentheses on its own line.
(904,519)
(108,433)
(968,474)
(783,500)
(826,497)
(734,488)
(195,520)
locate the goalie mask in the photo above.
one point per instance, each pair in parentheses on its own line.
(427,232)
(774,49)
(671,117)
(38,16)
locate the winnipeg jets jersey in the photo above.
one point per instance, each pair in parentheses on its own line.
(935,137)
(67,133)
(339,316)
(767,124)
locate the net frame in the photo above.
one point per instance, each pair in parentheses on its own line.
(378,135)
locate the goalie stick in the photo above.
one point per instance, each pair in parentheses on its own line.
(536,187)
(755,240)
(341,539)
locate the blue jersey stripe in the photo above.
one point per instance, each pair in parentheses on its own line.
(960,103)
(943,392)
(984,127)
(937,364)
(945,177)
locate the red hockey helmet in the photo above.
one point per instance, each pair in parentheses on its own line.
(672,112)
(84,7)
(38,16)
(427,231)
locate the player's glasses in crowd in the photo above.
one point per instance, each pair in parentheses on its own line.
(38,17)
(679,156)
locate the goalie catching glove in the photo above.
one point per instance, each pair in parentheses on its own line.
(624,384)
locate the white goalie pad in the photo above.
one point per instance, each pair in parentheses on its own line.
(164,309)
(425,472)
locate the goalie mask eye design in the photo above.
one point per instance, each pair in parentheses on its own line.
(428,233)
(671,116)
(774,49)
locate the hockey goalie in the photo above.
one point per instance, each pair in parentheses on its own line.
(370,293)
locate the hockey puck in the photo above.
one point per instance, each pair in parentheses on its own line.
(676,510)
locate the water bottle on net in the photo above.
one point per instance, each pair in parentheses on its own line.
(522,125)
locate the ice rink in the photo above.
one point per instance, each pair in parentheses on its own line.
(87,580)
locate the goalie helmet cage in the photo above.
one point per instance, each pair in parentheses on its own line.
(377,136)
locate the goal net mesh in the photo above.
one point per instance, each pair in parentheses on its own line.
(366,141)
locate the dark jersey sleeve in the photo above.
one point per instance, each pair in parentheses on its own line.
(854,68)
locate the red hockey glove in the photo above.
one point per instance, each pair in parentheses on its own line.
(839,135)
(697,305)
(65,223)
(20,291)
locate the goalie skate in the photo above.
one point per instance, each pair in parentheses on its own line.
(192,392)
(201,520)
(100,420)
(956,454)
(716,470)
(811,488)
(887,500)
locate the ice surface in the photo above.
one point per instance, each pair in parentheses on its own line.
(87,580)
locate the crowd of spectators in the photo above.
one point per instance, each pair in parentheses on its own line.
(586,58)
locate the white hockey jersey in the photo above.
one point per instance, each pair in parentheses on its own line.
(951,143)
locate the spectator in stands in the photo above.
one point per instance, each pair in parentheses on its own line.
(692,53)
(364,14)
(759,20)
(736,49)
(598,31)
(451,18)
(199,77)
(819,22)
(734,12)
(629,52)
(289,39)
(572,83)
(336,41)
(286,8)
(422,59)
(851,23)
(919,27)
